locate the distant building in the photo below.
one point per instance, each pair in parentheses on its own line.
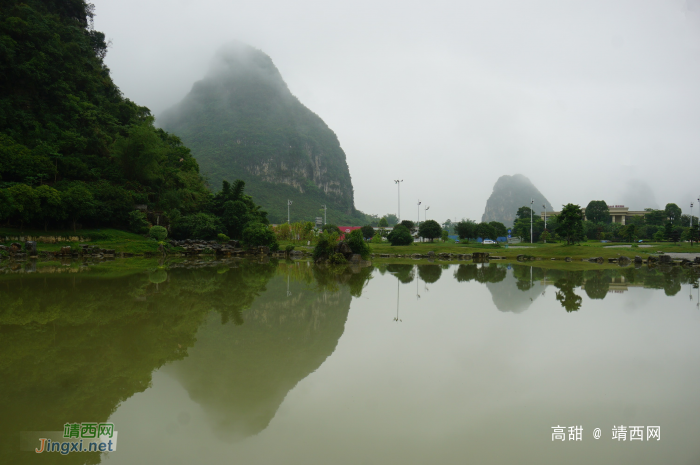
(618,214)
(346,229)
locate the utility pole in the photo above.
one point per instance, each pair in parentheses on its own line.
(398,183)
(545,220)
(324,214)
(289,204)
(532,201)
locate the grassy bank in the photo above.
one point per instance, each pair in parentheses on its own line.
(544,251)
(120,241)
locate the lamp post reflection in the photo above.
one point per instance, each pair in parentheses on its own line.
(397,301)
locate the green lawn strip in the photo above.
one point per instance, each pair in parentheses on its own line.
(119,241)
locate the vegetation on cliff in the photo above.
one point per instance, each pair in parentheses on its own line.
(242,122)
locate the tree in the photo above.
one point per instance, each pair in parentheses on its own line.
(673,213)
(465,229)
(500,228)
(331,228)
(447,225)
(675,234)
(383,223)
(655,217)
(597,211)
(524,213)
(50,205)
(367,231)
(357,243)
(570,224)
(693,234)
(79,202)
(391,219)
(409,224)
(429,229)
(486,231)
(445,235)
(629,232)
(258,234)
(400,235)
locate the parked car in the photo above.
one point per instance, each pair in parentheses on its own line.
(457,241)
(488,241)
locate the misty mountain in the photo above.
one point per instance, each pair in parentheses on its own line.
(509,194)
(242,122)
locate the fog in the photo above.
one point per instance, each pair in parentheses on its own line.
(589,99)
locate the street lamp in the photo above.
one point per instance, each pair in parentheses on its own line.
(289,204)
(545,221)
(419,202)
(324,214)
(532,201)
(691,214)
(398,183)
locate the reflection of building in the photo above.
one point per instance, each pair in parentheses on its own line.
(618,213)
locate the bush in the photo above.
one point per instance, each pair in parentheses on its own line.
(377,239)
(400,235)
(338,259)
(197,226)
(158,233)
(331,228)
(367,231)
(325,247)
(357,243)
(137,222)
(258,234)
(222,238)
(289,248)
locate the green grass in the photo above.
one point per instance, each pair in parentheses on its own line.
(120,241)
(544,251)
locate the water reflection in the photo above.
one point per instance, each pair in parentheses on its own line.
(238,336)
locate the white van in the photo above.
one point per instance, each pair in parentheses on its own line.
(488,242)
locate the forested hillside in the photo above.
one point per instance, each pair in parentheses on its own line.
(242,122)
(73,150)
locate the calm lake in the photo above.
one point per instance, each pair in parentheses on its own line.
(288,363)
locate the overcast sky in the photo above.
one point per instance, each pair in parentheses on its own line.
(588,99)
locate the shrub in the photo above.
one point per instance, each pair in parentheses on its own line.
(197,226)
(367,231)
(325,247)
(158,233)
(222,238)
(400,235)
(377,239)
(137,222)
(258,234)
(337,259)
(357,243)
(330,228)
(289,248)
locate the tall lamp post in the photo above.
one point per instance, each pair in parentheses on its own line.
(691,214)
(545,220)
(532,201)
(289,204)
(398,183)
(324,214)
(419,202)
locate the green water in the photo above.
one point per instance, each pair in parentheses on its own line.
(287,363)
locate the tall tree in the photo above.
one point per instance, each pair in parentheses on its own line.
(570,223)
(673,213)
(465,229)
(597,211)
(429,229)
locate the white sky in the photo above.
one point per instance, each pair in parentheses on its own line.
(588,99)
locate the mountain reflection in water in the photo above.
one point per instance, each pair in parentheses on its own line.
(237,336)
